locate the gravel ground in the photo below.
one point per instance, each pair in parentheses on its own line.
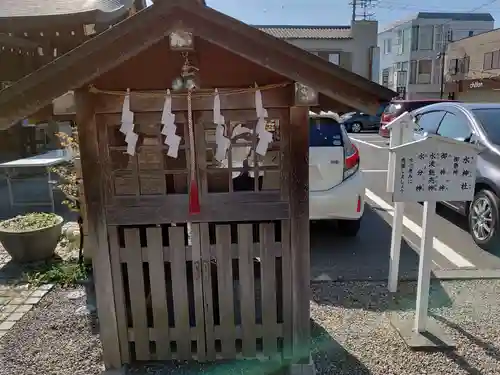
(351,330)
(55,338)
(352,321)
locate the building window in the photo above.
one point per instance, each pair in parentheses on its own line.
(488,61)
(413,71)
(400,42)
(406,40)
(466,64)
(426,37)
(387,46)
(424,71)
(385,77)
(453,66)
(495,63)
(334,58)
(436,71)
(390,81)
(414,38)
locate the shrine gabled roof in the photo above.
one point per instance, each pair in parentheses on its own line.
(150,25)
(22,13)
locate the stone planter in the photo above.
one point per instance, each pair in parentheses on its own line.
(31,245)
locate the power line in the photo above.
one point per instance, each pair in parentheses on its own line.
(362,9)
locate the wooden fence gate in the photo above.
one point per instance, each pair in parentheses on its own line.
(215,288)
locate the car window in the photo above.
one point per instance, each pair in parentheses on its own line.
(429,121)
(324,132)
(393,108)
(488,118)
(455,127)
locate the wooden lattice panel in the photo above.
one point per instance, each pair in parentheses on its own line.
(150,171)
(204,292)
(243,169)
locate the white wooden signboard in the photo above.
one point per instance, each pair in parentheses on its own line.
(434,169)
(401,128)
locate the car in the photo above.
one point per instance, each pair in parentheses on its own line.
(398,106)
(355,122)
(477,124)
(336,185)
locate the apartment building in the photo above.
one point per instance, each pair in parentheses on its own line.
(473,68)
(353,47)
(411,51)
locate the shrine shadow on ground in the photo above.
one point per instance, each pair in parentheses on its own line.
(364,257)
(374,296)
(328,355)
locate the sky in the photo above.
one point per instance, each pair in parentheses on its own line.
(338,12)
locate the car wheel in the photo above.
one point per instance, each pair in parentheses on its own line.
(349,228)
(483,220)
(356,127)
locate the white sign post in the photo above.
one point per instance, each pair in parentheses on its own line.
(431,170)
(401,132)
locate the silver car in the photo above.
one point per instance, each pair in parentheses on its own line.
(477,123)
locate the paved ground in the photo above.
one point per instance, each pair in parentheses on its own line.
(15,299)
(454,246)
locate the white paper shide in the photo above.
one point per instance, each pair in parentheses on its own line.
(221,140)
(265,137)
(127,125)
(172,140)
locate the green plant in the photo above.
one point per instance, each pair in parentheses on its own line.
(67,171)
(64,273)
(31,221)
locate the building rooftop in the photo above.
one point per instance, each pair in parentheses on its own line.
(15,12)
(455,16)
(306,32)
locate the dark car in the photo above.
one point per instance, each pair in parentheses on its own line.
(355,122)
(478,124)
(399,106)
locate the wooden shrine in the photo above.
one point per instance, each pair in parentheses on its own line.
(200,231)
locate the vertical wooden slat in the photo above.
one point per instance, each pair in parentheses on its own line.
(121,308)
(268,282)
(198,291)
(226,292)
(156,264)
(137,295)
(105,158)
(299,227)
(90,151)
(207,291)
(180,291)
(247,289)
(286,272)
(285,156)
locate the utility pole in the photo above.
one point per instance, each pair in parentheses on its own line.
(361,9)
(442,55)
(446,39)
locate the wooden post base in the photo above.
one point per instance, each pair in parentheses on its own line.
(303,369)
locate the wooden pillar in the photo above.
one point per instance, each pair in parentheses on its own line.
(92,174)
(299,225)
